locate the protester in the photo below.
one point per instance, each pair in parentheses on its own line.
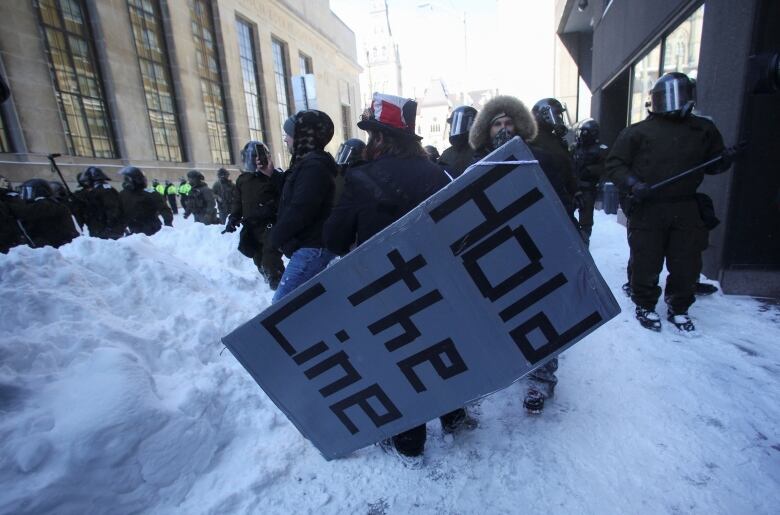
(665,224)
(306,199)
(397,177)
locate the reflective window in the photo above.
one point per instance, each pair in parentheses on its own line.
(146,23)
(305,64)
(207,62)
(5,144)
(282,79)
(346,122)
(645,73)
(77,82)
(681,47)
(251,79)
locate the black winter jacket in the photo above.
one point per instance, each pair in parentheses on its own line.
(256,198)
(46,221)
(141,210)
(307,199)
(376,195)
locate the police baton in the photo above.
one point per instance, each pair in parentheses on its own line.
(56,168)
(685,173)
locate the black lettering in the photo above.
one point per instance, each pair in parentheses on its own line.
(312,352)
(554,340)
(403,318)
(471,258)
(533,297)
(433,355)
(475,192)
(402,271)
(361,399)
(289,309)
(341,359)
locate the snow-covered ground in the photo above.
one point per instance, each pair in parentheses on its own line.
(116,396)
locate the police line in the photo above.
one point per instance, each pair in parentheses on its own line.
(479,285)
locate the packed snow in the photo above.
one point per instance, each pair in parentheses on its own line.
(116,396)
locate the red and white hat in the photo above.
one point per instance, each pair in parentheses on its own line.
(392,114)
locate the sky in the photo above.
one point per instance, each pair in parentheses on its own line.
(116,396)
(509,43)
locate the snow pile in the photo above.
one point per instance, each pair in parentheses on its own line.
(116,397)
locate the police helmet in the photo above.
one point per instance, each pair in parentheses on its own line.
(83,179)
(95,174)
(249,155)
(35,188)
(674,94)
(350,151)
(587,132)
(549,115)
(194,177)
(58,191)
(461,120)
(223,174)
(134,178)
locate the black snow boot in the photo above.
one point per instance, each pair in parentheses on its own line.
(627,289)
(704,289)
(648,318)
(457,421)
(682,322)
(534,401)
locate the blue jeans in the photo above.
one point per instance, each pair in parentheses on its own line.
(304,264)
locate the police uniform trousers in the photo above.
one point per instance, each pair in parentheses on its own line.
(669,230)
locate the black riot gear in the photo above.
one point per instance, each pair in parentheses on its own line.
(350,151)
(135,179)
(551,115)
(83,179)
(433,153)
(223,174)
(95,174)
(249,155)
(674,94)
(35,188)
(59,193)
(587,132)
(194,177)
(461,120)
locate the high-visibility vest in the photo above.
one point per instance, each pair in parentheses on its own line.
(184,189)
(160,189)
(172,190)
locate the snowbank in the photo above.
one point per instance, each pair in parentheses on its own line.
(116,396)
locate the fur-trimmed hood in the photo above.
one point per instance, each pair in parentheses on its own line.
(525,125)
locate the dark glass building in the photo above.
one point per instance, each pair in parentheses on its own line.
(731,48)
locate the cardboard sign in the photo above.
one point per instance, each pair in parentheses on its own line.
(480,284)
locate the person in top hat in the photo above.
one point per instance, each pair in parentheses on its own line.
(397,177)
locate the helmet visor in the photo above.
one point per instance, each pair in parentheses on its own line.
(344,154)
(461,122)
(671,96)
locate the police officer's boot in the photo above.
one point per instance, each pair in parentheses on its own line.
(648,319)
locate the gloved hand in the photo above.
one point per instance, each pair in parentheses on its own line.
(232,224)
(732,153)
(641,190)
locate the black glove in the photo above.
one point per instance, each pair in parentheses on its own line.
(732,153)
(232,224)
(637,187)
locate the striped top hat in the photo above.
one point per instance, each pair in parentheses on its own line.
(391,114)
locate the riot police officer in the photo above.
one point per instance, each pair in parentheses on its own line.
(549,115)
(349,155)
(255,202)
(104,215)
(223,189)
(459,156)
(200,200)
(142,209)
(664,224)
(588,155)
(43,219)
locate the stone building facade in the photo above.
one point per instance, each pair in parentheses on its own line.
(167,85)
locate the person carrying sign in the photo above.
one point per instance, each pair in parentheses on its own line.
(503,118)
(398,176)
